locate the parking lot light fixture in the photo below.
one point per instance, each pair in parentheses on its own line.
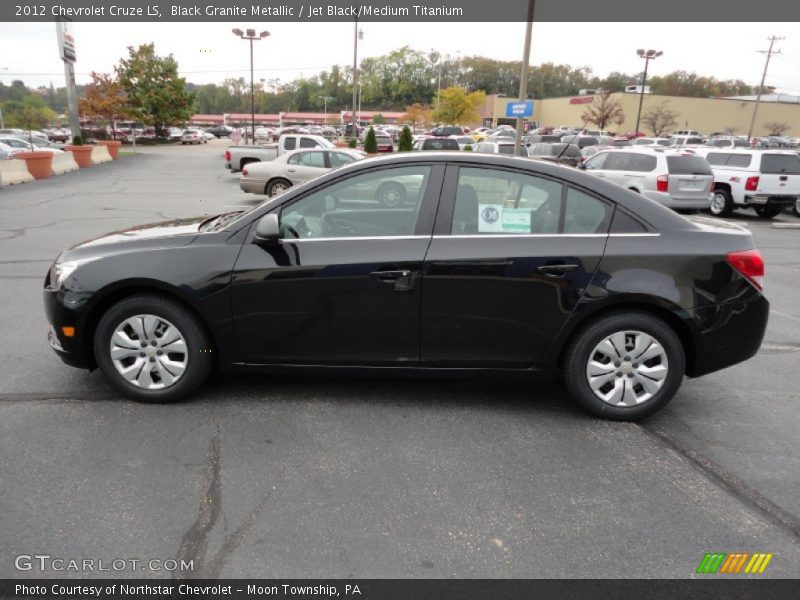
(251,36)
(647,55)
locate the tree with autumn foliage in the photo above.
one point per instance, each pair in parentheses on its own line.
(417,114)
(105,99)
(603,111)
(457,106)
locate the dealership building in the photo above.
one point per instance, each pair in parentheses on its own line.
(706,115)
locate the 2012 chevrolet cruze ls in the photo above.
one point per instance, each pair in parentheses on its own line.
(424,261)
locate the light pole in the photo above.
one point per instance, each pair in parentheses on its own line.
(359,98)
(434,58)
(647,55)
(357,35)
(250,34)
(325,100)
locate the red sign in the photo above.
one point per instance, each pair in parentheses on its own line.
(581,100)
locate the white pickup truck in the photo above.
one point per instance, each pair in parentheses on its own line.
(766,180)
(236,157)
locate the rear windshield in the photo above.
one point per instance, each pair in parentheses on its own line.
(780,164)
(729,159)
(440,144)
(505,149)
(688,165)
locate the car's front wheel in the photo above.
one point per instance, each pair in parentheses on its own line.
(624,366)
(796,208)
(152,349)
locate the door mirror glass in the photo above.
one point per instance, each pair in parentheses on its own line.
(268,229)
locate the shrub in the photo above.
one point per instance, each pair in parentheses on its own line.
(406,141)
(352,143)
(77,140)
(370,142)
(468,148)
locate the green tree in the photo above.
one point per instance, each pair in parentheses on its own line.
(156,94)
(379,119)
(370,142)
(457,106)
(30,113)
(406,141)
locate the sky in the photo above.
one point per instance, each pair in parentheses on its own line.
(209,52)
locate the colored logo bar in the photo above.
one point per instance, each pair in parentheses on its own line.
(734,562)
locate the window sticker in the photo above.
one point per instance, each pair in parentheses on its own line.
(516,220)
(490,218)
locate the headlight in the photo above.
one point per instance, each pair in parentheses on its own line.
(60,271)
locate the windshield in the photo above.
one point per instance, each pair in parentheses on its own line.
(688,165)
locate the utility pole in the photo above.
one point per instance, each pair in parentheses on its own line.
(354,120)
(769,54)
(523,80)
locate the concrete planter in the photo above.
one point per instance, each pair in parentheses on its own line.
(113,147)
(82,155)
(39,163)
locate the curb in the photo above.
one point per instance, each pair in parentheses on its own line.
(785,226)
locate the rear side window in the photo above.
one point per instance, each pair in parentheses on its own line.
(780,164)
(642,162)
(624,223)
(289,144)
(688,165)
(728,159)
(490,201)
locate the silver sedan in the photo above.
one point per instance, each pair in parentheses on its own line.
(278,175)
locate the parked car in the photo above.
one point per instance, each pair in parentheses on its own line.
(447,130)
(727,142)
(501,135)
(562,154)
(539,138)
(651,141)
(59,135)
(435,143)
(385,142)
(236,157)
(500,148)
(766,180)
(193,136)
(584,140)
(278,175)
(463,141)
(220,131)
(24,145)
(7,152)
(174,133)
(687,140)
(519,267)
(672,178)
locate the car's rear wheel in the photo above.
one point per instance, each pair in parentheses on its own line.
(152,349)
(721,203)
(391,194)
(796,208)
(624,366)
(768,212)
(277,186)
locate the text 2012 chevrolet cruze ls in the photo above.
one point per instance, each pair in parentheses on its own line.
(479,263)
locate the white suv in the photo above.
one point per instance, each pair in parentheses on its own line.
(678,180)
(767,180)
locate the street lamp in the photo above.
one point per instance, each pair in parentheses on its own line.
(434,58)
(647,55)
(358,34)
(250,34)
(325,100)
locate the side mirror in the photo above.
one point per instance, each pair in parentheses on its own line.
(268,230)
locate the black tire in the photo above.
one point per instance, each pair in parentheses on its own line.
(723,197)
(246,161)
(391,194)
(273,188)
(796,208)
(768,212)
(577,356)
(199,355)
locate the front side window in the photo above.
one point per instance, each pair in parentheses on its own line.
(596,162)
(308,143)
(373,204)
(312,159)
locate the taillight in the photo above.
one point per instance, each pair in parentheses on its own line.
(751,184)
(227,154)
(244,172)
(750,264)
(662,183)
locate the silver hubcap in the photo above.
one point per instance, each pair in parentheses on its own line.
(149,352)
(390,196)
(717,204)
(627,368)
(278,188)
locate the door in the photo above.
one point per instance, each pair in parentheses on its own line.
(511,255)
(343,285)
(303,166)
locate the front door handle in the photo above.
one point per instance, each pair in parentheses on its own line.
(557,270)
(389,276)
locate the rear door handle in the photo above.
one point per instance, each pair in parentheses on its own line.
(389,276)
(556,270)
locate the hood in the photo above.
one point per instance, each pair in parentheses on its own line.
(178,232)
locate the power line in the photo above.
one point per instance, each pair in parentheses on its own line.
(769,54)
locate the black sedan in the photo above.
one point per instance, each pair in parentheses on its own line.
(486,264)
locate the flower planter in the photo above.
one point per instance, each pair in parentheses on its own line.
(39,163)
(113,147)
(82,155)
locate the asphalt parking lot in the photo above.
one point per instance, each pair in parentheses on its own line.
(297,477)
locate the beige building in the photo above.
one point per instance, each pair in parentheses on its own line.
(707,115)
